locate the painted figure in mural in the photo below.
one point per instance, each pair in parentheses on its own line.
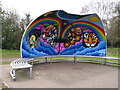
(49,34)
(90,40)
(32,41)
(34,38)
(73,36)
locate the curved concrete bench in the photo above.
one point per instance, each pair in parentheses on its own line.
(24,62)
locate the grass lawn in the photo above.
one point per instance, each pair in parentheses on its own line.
(113,52)
(10,53)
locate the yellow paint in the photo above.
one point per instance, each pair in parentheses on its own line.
(32,38)
(93,18)
(32,41)
(47,13)
(64,23)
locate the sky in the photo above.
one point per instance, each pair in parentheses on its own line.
(39,7)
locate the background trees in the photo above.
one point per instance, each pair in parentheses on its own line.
(12,25)
(11,33)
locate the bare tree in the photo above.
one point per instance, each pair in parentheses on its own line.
(28,19)
(103,8)
(25,22)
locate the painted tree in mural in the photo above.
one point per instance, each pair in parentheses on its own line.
(58,32)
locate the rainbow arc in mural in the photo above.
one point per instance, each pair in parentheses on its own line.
(60,33)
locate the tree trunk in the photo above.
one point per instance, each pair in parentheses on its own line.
(112,45)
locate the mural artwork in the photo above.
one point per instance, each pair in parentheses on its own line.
(60,33)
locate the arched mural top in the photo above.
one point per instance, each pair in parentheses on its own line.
(60,33)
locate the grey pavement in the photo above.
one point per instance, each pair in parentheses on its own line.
(63,75)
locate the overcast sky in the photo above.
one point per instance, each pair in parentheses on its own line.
(38,7)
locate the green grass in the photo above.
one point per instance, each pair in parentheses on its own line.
(113,52)
(5,62)
(10,53)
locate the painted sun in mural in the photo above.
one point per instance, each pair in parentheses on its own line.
(93,18)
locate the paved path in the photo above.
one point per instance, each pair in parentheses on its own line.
(8,59)
(64,75)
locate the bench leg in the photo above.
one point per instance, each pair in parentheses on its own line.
(30,72)
(102,61)
(50,60)
(32,63)
(105,61)
(75,60)
(46,59)
(13,74)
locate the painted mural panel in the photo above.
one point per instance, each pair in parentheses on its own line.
(59,33)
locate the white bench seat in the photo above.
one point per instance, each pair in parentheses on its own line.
(20,64)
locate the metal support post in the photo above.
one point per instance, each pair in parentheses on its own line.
(46,59)
(51,60)
(30,72)
(74,59)
(14,73)
(105,61)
